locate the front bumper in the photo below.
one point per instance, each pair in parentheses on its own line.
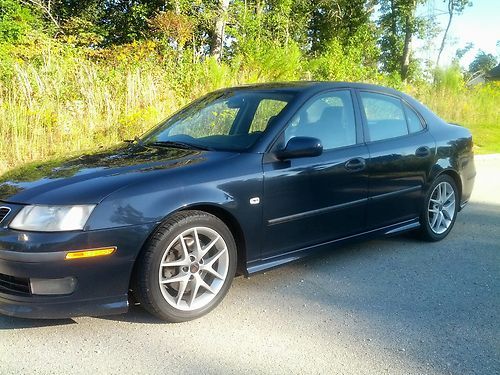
(102,283)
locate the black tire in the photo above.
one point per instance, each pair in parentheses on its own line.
(426,231)
(146,284)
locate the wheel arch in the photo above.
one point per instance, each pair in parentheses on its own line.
(447,167)
(456,177)
(222,214)
(234,227)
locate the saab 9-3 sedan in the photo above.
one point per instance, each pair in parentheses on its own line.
(240,181)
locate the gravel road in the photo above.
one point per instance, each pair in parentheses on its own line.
(396,306)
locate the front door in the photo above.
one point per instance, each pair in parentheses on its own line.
(311,200)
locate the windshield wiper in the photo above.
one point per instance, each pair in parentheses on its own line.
(177,144)
(136,140)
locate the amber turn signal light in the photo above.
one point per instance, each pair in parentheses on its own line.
(90,253)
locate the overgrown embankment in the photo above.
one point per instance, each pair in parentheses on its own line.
(57,100)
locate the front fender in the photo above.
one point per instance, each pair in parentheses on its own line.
(156,200)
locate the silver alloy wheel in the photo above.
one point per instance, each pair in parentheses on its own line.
(441,207)
(193,268)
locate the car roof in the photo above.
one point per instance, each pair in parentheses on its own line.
(309,87)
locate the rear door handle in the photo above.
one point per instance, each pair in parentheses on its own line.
(423,152)
(356,164)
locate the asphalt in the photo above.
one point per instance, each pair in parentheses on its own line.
(395,306)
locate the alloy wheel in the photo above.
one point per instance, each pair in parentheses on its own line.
(193,268)
(442,206)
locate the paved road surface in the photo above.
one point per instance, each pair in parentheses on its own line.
(395,306)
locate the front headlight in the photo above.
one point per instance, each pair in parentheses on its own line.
(52,218)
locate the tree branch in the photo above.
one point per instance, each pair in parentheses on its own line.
(45,9)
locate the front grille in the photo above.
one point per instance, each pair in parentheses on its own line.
(4,211)
(14,285)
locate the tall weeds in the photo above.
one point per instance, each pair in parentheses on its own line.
(58,102)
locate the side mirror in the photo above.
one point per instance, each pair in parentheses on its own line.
(300,147)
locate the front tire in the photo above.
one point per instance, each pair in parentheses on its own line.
(440,209)
(186,268)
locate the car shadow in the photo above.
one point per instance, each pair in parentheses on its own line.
(135,314)
(9,322)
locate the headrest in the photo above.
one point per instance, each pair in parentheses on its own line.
(332,114)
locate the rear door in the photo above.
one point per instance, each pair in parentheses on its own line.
(401,156)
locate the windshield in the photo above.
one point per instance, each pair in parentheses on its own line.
(231,121)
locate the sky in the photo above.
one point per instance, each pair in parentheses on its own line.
(479,24)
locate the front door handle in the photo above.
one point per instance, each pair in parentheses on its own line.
(355,165)
(423,152)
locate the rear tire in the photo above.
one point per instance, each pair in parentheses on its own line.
(186,268)
(440,209)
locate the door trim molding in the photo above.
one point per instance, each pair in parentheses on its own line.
(396,192)
(319,211)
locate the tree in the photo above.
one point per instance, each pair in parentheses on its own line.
(455,7)
(174,28)
(338,19)
(399,24)
(259,24)
(46,7)
(15,21)
(461,52)
(217,45)
(483,62)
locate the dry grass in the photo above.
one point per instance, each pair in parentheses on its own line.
(61,106)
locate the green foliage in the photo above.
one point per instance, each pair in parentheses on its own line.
(399,24)
(340,20)
(115,68)
(483,62)
(257,64)
(475,108)
(15,21)
(450,79)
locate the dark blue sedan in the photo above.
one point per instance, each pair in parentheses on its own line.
(241,180)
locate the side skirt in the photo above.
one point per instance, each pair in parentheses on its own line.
(261,265)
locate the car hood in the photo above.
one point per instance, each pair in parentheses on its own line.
(89,178)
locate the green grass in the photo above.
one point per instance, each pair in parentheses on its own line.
(59,103)
(476,108)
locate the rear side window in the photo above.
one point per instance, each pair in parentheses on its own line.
(385,116)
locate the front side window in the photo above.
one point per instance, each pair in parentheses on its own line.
(222,121)
(266,113)
(328,117)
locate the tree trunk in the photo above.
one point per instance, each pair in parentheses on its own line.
(405,57)
(217,47)
(178,47)
(450,13)
(394,26)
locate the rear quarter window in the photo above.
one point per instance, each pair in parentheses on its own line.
(414,123)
